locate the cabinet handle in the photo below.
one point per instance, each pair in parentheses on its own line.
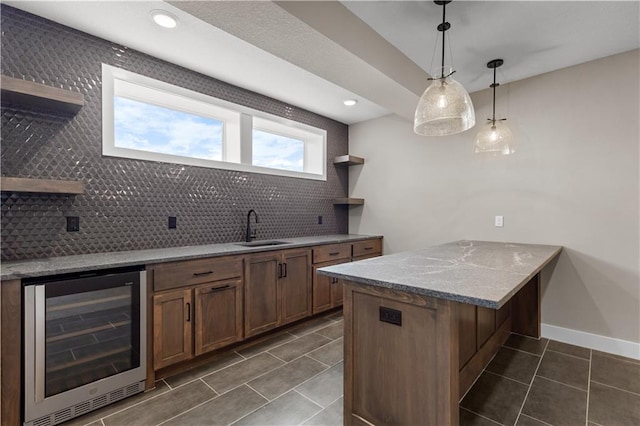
(199,274)
(334,253)
(279,270)
(334,280)
(284,274)
(221,288)
(188,312)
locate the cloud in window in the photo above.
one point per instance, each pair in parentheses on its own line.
(277,152)
(147,127)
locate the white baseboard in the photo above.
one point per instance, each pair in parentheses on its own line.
(593,341)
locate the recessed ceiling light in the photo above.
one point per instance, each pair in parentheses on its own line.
(164,19)
(350,102)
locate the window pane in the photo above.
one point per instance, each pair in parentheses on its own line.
(147,127)
(277,152)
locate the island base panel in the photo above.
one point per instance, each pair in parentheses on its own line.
(399,349)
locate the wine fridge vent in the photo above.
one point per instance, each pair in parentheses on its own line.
(87,406)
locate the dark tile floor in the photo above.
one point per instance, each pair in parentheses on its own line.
(544,382)
(295,377)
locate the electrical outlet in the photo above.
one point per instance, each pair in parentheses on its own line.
(73,223)
(499,221)
(319,220)
(173,222)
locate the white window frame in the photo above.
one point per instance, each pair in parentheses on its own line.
(238,126)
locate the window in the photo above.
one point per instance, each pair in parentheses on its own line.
(148,119)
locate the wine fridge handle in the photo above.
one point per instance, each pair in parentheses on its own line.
(39,344)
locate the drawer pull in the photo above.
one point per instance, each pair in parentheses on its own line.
(221,288)
(368,248)
(334,253)
(199,274)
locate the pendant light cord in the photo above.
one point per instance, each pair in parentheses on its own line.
(493,119)
(444,30)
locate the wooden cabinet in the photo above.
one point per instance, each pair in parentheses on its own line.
(295,286)
(172,328)
(366,249)
(197,307)
(218,315)
(328,292)
(277,289)
(201,305)
(261,276)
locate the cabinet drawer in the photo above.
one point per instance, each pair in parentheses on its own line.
(366,248)
(331,252)
(189,272)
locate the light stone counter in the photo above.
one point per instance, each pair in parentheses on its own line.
(87,262)
(475,272)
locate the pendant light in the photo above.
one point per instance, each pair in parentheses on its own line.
(445,108)
(495,137)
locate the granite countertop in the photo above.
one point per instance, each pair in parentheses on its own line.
(87,262)
(476,272)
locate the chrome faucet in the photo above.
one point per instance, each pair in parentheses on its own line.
(251,235)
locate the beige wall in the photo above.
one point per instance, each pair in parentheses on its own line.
(573,182)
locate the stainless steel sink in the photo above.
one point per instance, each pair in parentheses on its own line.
(263,243)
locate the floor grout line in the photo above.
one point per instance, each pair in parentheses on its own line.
(135,404)
(190,409)
(588,388)
(560,383)
(306,397)
(549,424)
(476,379)
(572,356)
(532,379)
(257,408)
(523,351)
(255,377)
(166,383)
(480,415)
(505,377)
(616,388)
(238,353)
(617,357)
(272,347)
(207,385)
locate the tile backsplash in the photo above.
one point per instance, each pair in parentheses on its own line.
(127,203)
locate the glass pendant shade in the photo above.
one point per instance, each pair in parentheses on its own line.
(496,138)
(445,108)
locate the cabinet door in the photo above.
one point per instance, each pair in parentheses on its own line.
(218,313)
(261,293)
(327,292)
(172,328)
(337,291)
(321,290)
(295,286)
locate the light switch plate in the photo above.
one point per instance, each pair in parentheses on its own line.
(499,221)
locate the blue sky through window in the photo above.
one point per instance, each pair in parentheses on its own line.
(277,152)
(146,127)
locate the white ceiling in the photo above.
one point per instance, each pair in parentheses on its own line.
(316,54)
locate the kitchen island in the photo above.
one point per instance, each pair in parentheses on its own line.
(420,326)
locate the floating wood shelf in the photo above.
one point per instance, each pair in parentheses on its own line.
(28,94)
(348,201)
(42,186)
(348,160)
